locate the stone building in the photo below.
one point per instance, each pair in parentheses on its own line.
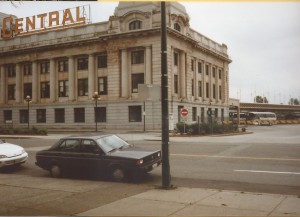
(60,69)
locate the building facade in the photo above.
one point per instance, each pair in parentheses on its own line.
(61,69)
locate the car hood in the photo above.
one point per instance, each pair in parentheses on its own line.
(132,153)
(10,150)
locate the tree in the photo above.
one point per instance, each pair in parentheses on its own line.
(294,101)
(260,99)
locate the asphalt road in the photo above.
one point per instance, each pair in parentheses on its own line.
(267,161)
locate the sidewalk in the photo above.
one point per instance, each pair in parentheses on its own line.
(200,202)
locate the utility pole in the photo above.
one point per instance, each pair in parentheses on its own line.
(166,177)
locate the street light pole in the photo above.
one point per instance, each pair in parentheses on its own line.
(96,97)
(166,177)
(28,100)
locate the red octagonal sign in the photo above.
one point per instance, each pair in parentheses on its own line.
(184,112)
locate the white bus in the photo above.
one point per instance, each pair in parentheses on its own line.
(243,117)
(262,118)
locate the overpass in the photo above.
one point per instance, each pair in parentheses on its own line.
(265,107)
(286,114)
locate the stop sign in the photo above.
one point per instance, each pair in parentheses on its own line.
(184,112)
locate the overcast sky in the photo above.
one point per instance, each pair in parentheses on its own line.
(263,40)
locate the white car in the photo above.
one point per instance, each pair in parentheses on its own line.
(11,154)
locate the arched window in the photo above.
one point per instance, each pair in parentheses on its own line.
(177,27)
(136,24)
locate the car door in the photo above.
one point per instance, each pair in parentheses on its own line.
(92,157)
(68,155)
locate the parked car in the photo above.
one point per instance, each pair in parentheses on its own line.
(11,154)
(107,155)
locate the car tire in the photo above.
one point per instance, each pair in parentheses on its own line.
(55,171)
(118,174)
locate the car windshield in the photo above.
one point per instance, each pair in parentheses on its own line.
(111,143)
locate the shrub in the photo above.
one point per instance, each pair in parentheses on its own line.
(205,128)
(23,131)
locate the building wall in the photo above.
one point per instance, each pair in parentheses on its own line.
(118,42)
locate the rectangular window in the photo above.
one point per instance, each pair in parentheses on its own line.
(214,91)
(207,69)
(45,89)
(102,85)
(137,57)
(175,83)
(194,114)
(11,92)
(207,90)
(220,92)
(193,86)
(135,113)
(41,115)
(63,88)
(11,71)
(59,115)
(102,61)
(27,69)
(222,115)
(27,90)
(83,87)
(45,67)
(82,63)
(175,59)
(79,115)
(199,88)
(202,115)
(216,113)
(137,79)
(214,72)
(23,116)
(192,65)
(199,67)
(100,114)
(63,65)
(178,112)
(7,115)
(220,74)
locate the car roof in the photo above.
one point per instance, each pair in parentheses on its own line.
(87,136)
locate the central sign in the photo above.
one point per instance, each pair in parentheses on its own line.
(59,19)
(184,112)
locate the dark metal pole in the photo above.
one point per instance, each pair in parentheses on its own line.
(96,99)
(144,116)
(166,177)
(28,113)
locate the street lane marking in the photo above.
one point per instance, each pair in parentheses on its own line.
(273,172)
(233,157)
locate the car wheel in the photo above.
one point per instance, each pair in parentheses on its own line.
(118,174)
(55,171)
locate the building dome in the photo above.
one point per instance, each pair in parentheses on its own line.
(172,7)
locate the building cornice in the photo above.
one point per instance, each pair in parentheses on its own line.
(105,37)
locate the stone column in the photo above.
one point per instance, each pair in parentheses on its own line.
(35,91)
(19,86)
(52,81)
(217,84)
(124,74)
(203,81)
(210,83)
(148,72)
(71,75)
(91,76)
(182,76)
(196,79)
(2,85)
